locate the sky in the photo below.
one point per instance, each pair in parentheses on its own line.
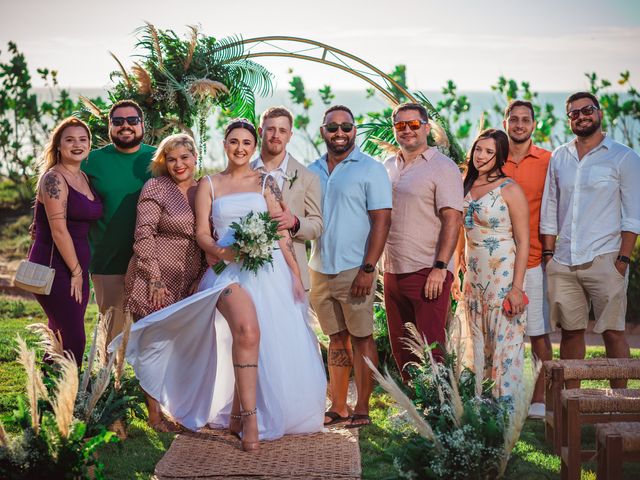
(550,43)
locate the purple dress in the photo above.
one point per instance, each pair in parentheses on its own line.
(64,313)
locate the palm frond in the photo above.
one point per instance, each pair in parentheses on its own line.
(123,70)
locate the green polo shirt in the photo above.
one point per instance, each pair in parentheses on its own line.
(117,178)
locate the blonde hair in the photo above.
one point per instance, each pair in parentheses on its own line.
(158,164)
(51,153)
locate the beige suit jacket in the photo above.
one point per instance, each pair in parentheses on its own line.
(303,195)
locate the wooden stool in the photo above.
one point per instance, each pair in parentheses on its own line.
(558,371)
(590,406)
(616,443)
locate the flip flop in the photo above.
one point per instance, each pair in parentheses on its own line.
(335,418)
(359,416)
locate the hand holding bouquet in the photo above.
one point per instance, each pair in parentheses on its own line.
(254,237)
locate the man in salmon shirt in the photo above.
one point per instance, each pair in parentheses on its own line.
(527,164)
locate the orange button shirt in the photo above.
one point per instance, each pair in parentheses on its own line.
(530,173)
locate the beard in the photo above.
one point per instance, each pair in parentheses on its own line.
(587,130)
(134,142)
(519,140)
(274,149)
(338,149)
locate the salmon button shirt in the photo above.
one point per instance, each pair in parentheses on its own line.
(530,173)
(420,190)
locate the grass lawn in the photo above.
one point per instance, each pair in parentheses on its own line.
(136,457)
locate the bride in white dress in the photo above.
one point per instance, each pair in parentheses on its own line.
(241,332)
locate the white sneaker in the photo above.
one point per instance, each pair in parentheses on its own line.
(536,410)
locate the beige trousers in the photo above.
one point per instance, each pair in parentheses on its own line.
(109,291)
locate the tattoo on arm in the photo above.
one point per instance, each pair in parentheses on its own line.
(273,187)
(52,186)
(339,357)
(290,248)
(226,292)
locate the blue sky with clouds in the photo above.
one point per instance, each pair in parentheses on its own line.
(549,43)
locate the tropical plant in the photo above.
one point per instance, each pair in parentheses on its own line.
(449,425)
(52,443)
(178,82)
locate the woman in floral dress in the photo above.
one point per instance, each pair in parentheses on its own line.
(496,227)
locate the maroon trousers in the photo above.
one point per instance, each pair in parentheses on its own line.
(405,302)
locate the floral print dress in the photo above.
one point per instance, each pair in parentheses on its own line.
(490,259)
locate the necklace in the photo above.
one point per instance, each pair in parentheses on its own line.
(77,176)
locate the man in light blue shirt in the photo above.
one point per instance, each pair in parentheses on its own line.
(356,208)
(591,203)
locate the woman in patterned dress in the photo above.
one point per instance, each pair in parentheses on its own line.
(496,227)
(167,263)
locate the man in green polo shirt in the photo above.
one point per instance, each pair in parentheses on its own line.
(117,173)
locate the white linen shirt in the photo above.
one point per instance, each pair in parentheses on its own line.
(279,174)
(587,203)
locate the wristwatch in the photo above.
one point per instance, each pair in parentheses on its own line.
(624,259)
(440,265)
(368,268)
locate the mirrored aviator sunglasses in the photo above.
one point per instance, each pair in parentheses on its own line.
(332,127)
(412,124)
(119,121)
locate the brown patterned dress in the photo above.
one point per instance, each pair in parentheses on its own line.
(165,246)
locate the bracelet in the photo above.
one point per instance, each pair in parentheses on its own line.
(517,288)
(296,225)
(74,269)
(624,259)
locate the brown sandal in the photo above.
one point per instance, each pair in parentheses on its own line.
(249,446)
(235,419)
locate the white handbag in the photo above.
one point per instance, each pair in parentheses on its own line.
(35,278)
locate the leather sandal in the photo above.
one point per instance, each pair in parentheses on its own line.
(235,420)
(246,445)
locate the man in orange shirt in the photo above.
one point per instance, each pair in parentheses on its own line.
(527,165)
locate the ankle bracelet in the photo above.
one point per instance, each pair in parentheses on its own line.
(248,413)
(235,417)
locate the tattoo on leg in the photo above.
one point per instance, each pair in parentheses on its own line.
(52,186)
(245,365)
(226,292)
(339,357)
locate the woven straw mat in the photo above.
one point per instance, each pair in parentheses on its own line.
(216,454)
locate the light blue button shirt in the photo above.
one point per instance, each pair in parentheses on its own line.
(588,202)
(357,184)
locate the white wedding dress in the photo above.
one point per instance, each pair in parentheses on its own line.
(182,353)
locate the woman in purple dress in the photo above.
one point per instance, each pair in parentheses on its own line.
(64,209)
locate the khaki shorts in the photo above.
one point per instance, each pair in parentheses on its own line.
(336,309)
(572,290)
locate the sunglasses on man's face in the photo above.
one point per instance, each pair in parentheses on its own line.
(119,121)
(412,124)
(586,111)
(333,127)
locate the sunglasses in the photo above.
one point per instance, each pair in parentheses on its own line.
(586,111)
(333,127)
(412,124)
(119,121)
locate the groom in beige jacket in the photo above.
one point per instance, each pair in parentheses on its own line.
(301,191)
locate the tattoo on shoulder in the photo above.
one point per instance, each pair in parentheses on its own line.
(52,185)
(226,292)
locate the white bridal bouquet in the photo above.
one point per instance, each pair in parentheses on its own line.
(254,237)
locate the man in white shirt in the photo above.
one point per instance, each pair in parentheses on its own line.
(301,191)
(590,220)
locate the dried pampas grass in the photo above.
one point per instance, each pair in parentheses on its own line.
(439,135)
(66,391)
(122,350)
(192,46)
(50,341)
(35,386)
(123,70)
(4,440)
(388,148)
(204,88)
(99,386)
(156,43)
(92,107)
(100,342)
(143,78)
(404,402)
